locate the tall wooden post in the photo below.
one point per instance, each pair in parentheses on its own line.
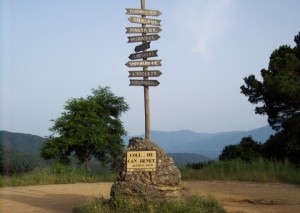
(146,89)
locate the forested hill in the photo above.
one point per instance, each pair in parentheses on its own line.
(183,141)
(25,143)
(26,147)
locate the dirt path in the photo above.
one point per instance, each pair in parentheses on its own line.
(49,198)
(235,196)
(251,197)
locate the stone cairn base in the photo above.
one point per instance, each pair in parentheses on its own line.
(160,185)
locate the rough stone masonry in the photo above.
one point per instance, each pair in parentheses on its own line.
(139,186)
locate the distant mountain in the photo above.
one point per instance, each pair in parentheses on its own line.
(181,159)
(183,146)
(210,145)
(25,143)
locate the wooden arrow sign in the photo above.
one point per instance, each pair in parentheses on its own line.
(148,21)
(142,47)
(144,83)
(149,73)
(149,63)
(132,11)
(132,39)
(143,29)
(148,54)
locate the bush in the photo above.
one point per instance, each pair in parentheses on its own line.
(190,204)
(13,162)
(58,168)
(246,150)
(199,165)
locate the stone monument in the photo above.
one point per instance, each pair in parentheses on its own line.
(147,174)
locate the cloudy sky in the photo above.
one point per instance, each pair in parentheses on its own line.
(54,50)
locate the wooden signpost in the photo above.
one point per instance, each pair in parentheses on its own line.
(144,63)
(142,12)
(153,37)
(134,19)
(145,168)
(147,34)
(150,73)
(148,54)
(144,83)
(143,29)
(142,47)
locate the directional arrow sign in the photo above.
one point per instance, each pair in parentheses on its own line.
(149,63)
(132,11)
(132,39)
(144,83)
(138,20)
(143,29)
(148,54)
(149,73)
(142,47)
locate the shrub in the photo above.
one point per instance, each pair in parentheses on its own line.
(190,204)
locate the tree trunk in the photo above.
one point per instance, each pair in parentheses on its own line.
(86,161)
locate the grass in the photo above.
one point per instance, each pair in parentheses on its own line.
(48,176)
(190,204)
(260,171)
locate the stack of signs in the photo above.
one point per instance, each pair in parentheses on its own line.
(140,58)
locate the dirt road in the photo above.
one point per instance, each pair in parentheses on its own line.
(235,196)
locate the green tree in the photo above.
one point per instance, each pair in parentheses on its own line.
(279,96)
(230,152)
(249,149)
(275,148)
(2,158)
(89,127)
(246,150)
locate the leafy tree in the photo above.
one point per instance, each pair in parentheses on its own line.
(230,152)
(2,163)
(14,162)
(89,127)
(279,94)
(275,148)
(246,150)
(249,149)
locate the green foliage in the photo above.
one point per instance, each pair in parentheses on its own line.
(18,153)
(275,148)
(13,162)
(259,170)
(249,149)
(89,127)
(230,152)
(246,150)
(198,165)
(181,159)
(58,168)
(279,94)
(190,204)
(57,174)
(286,143)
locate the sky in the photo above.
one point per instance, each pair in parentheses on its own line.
(52,51)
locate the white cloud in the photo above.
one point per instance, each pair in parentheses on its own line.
(205,21)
